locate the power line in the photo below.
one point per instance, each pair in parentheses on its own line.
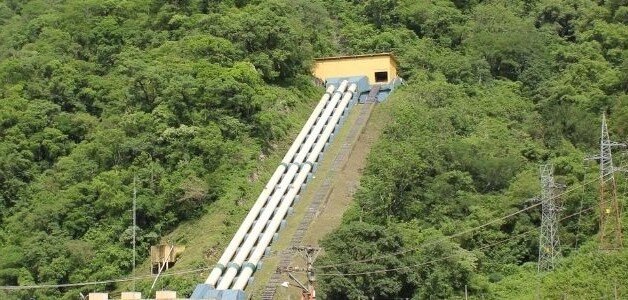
(134,225)
(424,263)
(48,286)
(555,196)
(436,240)
(450,256)
(578,226)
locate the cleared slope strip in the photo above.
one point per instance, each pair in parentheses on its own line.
(344,181)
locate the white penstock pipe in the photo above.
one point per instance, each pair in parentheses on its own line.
(308,125)
(253,236)
(250,265)
(270,186)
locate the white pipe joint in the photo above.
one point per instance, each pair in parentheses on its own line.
(308,163)
(233,265)
(249,265)
(219,266)
(338,93)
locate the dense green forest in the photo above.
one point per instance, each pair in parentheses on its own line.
(495,89)
(187,97)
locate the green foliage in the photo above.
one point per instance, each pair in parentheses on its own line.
(176,99)
(508,43)
(180,99)
(438,20)
(580,275)
(494,89)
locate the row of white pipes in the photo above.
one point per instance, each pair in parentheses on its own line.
(276,198)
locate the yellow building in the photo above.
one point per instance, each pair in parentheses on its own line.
(379,68)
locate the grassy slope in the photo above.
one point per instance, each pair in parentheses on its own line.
(345,182)
(206,237)
(586,274)
(294,219)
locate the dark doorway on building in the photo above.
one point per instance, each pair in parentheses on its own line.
(381,76)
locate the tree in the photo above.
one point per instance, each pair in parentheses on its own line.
(505,41)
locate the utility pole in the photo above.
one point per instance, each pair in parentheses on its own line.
(310,254)
(610,228)
(134,226)
(549,244)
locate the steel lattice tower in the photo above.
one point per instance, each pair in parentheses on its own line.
(610,227)
(549,244)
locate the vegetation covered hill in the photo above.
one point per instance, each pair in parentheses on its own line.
(180,99)
(188,96)
(494,90)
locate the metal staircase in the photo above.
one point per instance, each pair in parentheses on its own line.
(321,195)
(372,97)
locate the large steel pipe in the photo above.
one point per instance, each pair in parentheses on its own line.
(250,265)
(270,186)
(308,125)
(253,236)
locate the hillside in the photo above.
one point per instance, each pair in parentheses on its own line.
(190,103)
(495,89)
(182,100)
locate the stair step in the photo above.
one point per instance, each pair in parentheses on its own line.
(319,197)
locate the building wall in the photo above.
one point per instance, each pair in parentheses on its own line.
(355,66)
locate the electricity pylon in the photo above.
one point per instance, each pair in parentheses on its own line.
(549,243)
(610,226)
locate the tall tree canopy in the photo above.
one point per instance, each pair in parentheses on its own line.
(183,100)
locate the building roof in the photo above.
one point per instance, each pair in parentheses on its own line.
(389,54)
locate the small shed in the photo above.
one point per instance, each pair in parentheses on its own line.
(380,68)
(164,256)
